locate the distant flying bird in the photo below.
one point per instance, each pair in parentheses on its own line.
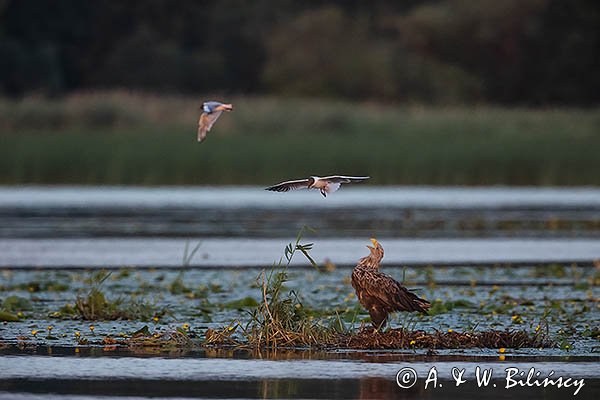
(211,112)
(326,185)
(379,293)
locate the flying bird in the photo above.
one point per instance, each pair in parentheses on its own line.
(325,185)
(379,293)
(211,111)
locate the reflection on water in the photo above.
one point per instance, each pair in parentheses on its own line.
(254,378)
(196,368)
(363,388)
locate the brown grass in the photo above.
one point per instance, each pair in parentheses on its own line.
(368,339)
(404,339)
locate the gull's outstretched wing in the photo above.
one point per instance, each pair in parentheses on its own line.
(344,179)
(332,187)
(289,185)
(206,122)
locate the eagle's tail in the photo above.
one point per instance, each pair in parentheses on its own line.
(408,301)
(421,305)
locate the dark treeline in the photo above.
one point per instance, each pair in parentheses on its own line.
(526,52)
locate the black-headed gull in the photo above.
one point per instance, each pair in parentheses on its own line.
(211,111)
(325,185)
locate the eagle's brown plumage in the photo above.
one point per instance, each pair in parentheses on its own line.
(379,293)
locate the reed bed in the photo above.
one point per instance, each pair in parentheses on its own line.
(140,139)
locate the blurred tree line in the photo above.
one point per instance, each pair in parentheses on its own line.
(531,52)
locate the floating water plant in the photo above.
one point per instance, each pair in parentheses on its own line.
(309,309)
(95,306)
(11,309)
(8,317)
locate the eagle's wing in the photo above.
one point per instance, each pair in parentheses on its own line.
(289,185)
(345,179)
(206,122)
(392,295)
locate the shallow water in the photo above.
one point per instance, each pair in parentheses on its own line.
(392,212)
(255,252)
(247,226)
(254,196)
(563,297)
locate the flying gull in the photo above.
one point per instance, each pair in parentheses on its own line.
(325,185)
(211,112)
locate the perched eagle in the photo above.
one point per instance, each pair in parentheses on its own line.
(211,111)
(379,293)
(325,185)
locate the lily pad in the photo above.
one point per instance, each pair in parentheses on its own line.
(8,317)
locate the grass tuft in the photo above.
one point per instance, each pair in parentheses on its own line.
(280,319)
(125,138)
(95,306)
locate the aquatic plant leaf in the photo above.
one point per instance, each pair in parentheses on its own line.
(144,331)
(16,303)
(187,257)
(242,303)
(8,317)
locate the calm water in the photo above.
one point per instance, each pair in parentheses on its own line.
(247,226)
(263,378)
(396,212)
(249,196)
(255,252)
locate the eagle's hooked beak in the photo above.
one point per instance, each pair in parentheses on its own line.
(375,243)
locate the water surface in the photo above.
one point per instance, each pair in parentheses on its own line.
(255,252)
(393,212)
(259,378)
(51,229)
